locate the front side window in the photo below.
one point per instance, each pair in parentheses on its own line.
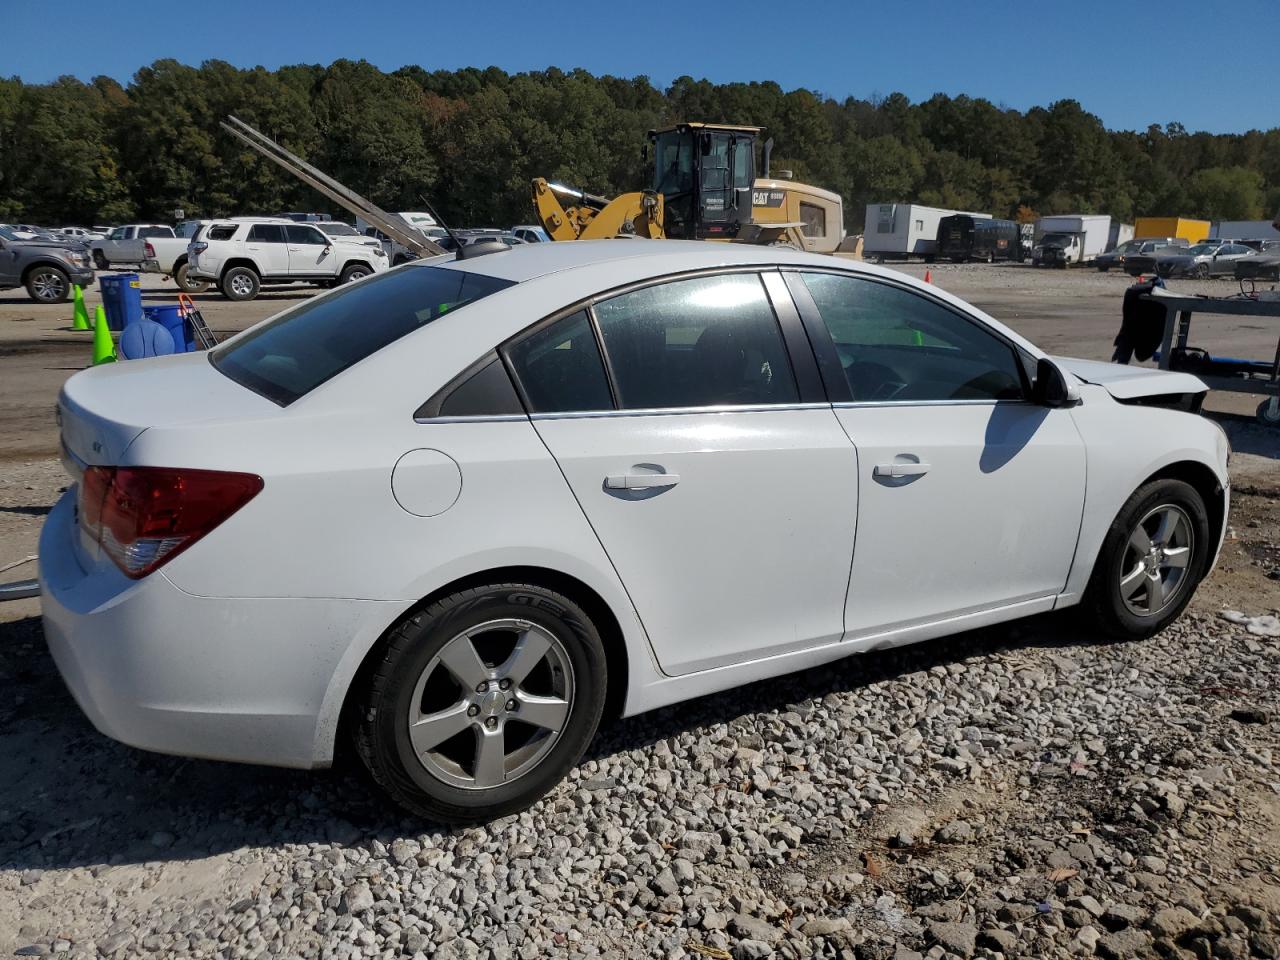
(302,235)
(560,368)
(285,358)
(707,341)
(898,346)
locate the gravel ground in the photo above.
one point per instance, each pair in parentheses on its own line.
(1022,791)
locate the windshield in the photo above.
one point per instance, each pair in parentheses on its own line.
(338,229)
(673,163)
(1129,246)
(1057,238)
(287,357)
(1200,249)
(7,234)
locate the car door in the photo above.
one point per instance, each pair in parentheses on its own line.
(709,465)
(310,252)
(1224,261)
(970,496)
(267,245)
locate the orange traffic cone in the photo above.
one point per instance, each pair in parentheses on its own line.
(928,276)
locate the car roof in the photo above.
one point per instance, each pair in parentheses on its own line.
(532,260)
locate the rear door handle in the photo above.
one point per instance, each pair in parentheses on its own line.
(640,481)
(901,469)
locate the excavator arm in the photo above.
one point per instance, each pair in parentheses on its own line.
(589,217)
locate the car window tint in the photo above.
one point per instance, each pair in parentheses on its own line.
(898,346)
(266,233)
(287,357)
(708,341)
(147,232)
(305,235)
(560,368)
(223,232)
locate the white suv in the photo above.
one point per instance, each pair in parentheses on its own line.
(242,254)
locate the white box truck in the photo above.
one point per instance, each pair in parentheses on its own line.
(1073,238)
(1120,233)
(899,231)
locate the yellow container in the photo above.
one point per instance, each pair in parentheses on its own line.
(1192,231)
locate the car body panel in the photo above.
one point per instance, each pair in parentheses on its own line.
(298,585)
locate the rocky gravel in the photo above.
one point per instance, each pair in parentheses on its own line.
(1027,791)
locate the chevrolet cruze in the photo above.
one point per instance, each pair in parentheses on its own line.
(454,514)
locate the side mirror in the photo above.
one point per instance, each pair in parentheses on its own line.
(1052,388)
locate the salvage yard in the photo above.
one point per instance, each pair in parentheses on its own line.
(1026,790)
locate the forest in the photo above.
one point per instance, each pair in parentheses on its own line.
(470,141)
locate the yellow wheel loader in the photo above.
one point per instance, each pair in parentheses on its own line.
(704,188)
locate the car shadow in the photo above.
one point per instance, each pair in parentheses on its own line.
(73,797)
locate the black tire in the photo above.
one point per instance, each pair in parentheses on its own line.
(1103,603)
(354,271)
(48,284)
(188,285)
(1201,271)
(240,283)
(380,724)
(100,260)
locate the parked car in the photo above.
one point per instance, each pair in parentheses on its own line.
(476,235)
(125,246)
(241,255)
(1135,248)
(1204,260)
(1265,266)
(530,233)
(82,234)
(47,268)
(461,509)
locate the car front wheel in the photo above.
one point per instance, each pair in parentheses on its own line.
(1153,557)
(356,271)
(482,702)
(48,285)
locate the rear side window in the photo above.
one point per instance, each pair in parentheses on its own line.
(287,357)
(560,368)
(266,233)
(707,341)
(221,231)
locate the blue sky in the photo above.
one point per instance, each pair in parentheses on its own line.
(1209,65)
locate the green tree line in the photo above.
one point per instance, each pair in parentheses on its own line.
(470,140)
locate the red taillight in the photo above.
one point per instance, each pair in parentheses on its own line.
(145,516)
(151,251)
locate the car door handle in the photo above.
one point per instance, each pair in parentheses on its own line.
(901,469)
(640,481)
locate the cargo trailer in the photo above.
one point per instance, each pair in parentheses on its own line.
(1156,228)
(899,231)
(1244,230)
(962,237)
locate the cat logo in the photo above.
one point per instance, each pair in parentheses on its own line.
(768,198)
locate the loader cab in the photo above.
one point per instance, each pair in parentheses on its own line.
(704,172)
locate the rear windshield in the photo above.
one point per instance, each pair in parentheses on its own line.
(287,357)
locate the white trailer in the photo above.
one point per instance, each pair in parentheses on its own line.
(898,231)
(1072,238)
(1120,233)
(1244,230)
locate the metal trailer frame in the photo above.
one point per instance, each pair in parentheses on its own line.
(1179,312)
(340,194)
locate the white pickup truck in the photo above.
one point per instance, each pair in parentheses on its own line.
(153,247)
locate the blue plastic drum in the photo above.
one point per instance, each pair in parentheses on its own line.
(170,317)
(121,299)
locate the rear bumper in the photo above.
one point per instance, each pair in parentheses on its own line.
(247,680)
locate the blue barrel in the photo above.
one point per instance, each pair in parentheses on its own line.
(170,317)
(121,299)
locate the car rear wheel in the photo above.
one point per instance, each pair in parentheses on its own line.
(481,703)
(100,260)
(186,283)
(1201,271)
(47,284)
(1151,560)
(240,283)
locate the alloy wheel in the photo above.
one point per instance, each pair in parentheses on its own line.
(1155,561)
(241,285)
(491,704)
(48,286)
(356,275)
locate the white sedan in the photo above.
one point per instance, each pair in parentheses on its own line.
(456,513)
